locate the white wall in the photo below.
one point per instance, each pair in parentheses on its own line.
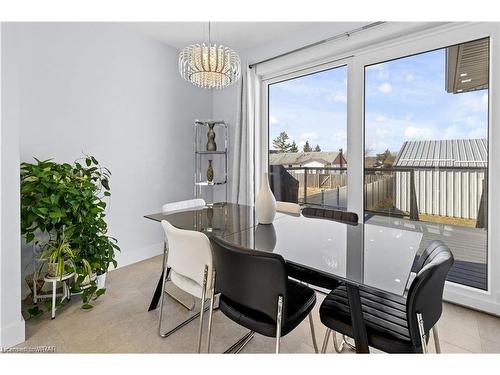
(105,90)
(11,321)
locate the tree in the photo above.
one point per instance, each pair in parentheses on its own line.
(307,148)
(385,159)
(293,147)
(317,149)
(281,144)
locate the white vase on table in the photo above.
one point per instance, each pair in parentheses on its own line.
(265,204)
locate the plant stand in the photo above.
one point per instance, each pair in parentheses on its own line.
(65,294)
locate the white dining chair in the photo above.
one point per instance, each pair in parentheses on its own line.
(288,207)
(172,207)
(183,205)
(189,258)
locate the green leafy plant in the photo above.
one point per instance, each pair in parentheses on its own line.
(69,201)
(59,258)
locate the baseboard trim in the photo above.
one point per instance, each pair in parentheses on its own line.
(474,303)
(12,335)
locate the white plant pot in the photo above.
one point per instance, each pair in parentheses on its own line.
(101,281)
(265,204)
(86,281)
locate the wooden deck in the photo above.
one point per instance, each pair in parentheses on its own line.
(469,247)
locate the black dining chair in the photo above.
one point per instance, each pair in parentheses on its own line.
(255,292)
(396,324)
(314,278)
(332,214)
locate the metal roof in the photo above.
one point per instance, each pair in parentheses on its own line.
(467,66)
(466,153)
(299,158)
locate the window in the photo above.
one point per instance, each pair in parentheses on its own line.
(308,138)
(426,150)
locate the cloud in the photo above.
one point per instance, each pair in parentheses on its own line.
(381,118)
(339,96)
(382,71)
(385,88)
(478,133)
(383,74)
(310,136)
(339,137)
(273,120)
(383,132)
(409,78)
(414,132)
(475,103)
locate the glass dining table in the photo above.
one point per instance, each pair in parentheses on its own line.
(374,256)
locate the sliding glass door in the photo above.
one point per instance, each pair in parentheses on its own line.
(307,116)
(413,122)
(426,151)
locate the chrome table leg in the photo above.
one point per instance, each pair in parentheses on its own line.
(325,340)
(313,334)
(278,323)
(163,280)
(435,335)
(202,308)
(211,311)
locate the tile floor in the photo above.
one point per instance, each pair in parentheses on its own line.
(120,323)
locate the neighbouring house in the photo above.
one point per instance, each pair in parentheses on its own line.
(449,177)
(320,159)
(324,186)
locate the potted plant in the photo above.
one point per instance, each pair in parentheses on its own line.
(68,202)
(58,257)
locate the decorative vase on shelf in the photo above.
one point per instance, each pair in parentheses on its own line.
(265,204)
(210,172)
(211,145)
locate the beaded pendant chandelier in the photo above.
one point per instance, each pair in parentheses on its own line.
(211,66)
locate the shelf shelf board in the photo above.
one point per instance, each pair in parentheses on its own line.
(206,183)
(211,152)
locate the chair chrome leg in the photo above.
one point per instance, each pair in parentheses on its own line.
(190,308)
(325,340)
(244,343)
(240,344)
(338,347)
(189,320)
(202,308)
(278,323)
(313,334)
(421,330)
(347,343)
(435,334)
(211,311)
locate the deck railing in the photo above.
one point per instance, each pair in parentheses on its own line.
(459,192)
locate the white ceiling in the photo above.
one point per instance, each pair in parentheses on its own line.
(237,35)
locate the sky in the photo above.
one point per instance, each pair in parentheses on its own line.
(405,99)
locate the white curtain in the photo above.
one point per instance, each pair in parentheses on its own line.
(243,187)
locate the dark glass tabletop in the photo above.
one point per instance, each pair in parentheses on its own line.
(373,255)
